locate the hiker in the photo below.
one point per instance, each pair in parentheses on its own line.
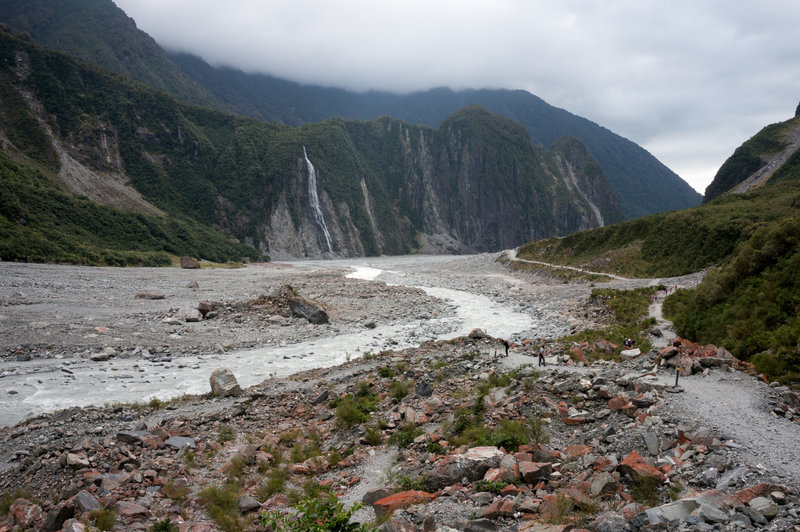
(506,345)
(541,356)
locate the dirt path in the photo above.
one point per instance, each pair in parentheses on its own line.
(736,406)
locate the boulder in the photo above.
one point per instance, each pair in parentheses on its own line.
(629,354)
(404,499)
(765,506)
(248,504)
(303,307)
(678,510)
(533,472)
(86,502)
(25,513)
(634,466)
(189,263)
(58,515)
(603,483)
(471,465)
(477,334)
(223,383)
(179,442)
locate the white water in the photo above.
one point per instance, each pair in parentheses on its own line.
(47,386)
(313,199)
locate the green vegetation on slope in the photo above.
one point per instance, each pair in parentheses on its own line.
(751,306)
(39,222)
(100,33)
(674,243)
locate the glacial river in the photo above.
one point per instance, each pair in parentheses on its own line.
(47,385)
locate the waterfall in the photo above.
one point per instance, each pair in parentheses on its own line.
(313,199)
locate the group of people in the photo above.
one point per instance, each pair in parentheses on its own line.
(628,342)
(542,361)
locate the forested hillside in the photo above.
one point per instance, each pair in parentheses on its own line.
(98,32)
(475,183)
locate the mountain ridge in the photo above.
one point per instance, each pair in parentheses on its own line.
(475,183)
(642,183)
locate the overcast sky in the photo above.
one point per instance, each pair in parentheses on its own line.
(689,80)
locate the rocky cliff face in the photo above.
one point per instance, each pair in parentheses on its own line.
(338,188)
(475,184)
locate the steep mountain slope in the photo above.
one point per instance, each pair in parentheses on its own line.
(771,156)
(475,183)
(98,32)
(642,183)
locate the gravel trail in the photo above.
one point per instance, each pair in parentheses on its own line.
(737,407)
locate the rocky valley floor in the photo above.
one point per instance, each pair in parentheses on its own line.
(427,425)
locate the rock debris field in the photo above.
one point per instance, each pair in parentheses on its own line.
(401,401)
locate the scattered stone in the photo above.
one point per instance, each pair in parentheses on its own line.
(766,507)
(223,383)
(150,295)
(189,263)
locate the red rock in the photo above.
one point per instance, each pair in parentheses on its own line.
(574,451)
(578,354)
(404,499)
(492,510)
(760,490)
(130,509)
(632,509)
(563,409)
(573,421)
(620,402)
(508,507)
(512,490)
(523,456)
(635,466)
(25,513)
(605,463)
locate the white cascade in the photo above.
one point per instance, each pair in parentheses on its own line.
(313,199)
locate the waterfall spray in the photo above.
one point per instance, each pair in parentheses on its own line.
(313,199)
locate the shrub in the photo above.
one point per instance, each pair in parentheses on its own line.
(225,433)
(276,483)
(103,519)
(409,484)
(372,435)
(222,504)
(355,409)
(398,389)
(404,436)
(644,490)
(8,498)
(175,490)
(491,486)
(386,372)
(318,514)
(165,525)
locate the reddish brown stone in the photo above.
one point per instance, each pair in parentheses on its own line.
(760,490)
(635,466)
(404,499)
(574,451)
(572,421)
(25,513)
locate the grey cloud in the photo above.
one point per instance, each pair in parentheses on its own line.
(687,80)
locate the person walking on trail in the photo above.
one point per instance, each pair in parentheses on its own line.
(506,345)
(541,357)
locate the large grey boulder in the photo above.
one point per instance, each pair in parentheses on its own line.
(223,383)
(303,307)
